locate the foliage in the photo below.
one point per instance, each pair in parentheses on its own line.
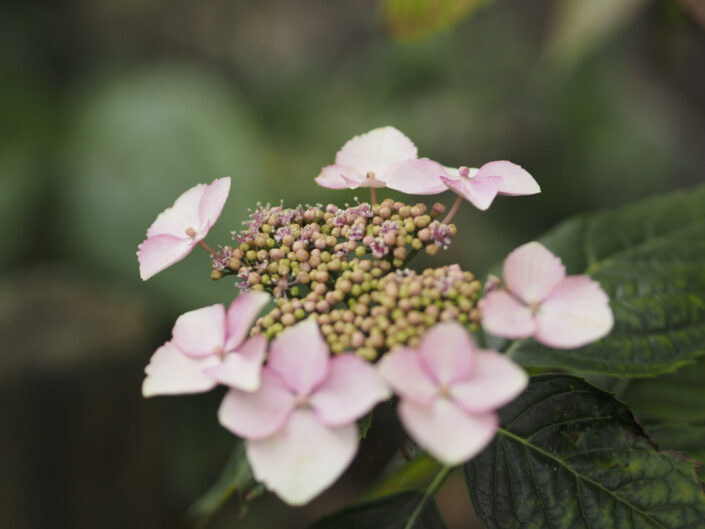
(650,258)
(568,455)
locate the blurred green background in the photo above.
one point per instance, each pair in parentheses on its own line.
(109,110)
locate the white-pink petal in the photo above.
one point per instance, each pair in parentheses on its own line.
(241,369)
(201,332)
(212,202)
(182,215)
(300,356)
(241,315)
(160,252)
(447,432)
(339,177)
(416,177)
(171,372)
(376,151)
(447,352)
(502,315)
(351,389)
(515,180)
(479,190)
(404,372)
(304,458)
(531,271)
(259,414)
(495,381)
(575,313)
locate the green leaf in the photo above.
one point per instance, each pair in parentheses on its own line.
(403,475)
(570,455)
(420,18)
(236,478)
(364,424)
(650,259)
(396,511)
(671,407)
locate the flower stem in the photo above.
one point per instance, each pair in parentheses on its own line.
(453,210)
(430,491)
(207,247)
(373,195)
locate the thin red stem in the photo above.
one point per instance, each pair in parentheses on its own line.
(207,247)
(453,210)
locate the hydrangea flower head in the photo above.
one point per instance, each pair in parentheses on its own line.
(541,301)
(300,425)
(210,346)
(481,186)
(449,391)
(383,157)
(178,229)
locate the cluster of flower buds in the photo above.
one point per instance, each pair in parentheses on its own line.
(305,251)
(352,325)
(379,314)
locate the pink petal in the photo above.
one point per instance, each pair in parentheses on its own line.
(259,414)
(531,271)
(353,183)
(352,388)
(241,369)
(339,177)
(160,252)
(447,352)
(502,315)
(200,332)
(171,372)
(304,458)
(300,356)
(576,312)
(182,215)
(515,179)
(495,381)
(241,315)
(446,431)
(403,370)
(376,151)
(416,177)
(211,204)
(480,191)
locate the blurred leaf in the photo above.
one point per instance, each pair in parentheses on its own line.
(402,474)
(140,139)
(580,26)
(236,479)
(364,425)
(570,455)
(650,259)
(410,19)
(396,511)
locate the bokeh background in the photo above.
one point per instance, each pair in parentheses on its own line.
(109,110)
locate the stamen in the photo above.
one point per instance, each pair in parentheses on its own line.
(464,171)
(191,232)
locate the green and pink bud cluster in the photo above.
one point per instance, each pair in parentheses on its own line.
(332,321)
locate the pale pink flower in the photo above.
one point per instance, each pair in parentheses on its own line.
(480,186)
(383,157)
(300,425)
(210,346)
(541,301)
(449,391)
(179,228)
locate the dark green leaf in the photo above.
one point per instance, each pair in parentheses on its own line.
(569,455)
(402,474)
(364,425)
(236,478)
(396,511)
(650,259)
